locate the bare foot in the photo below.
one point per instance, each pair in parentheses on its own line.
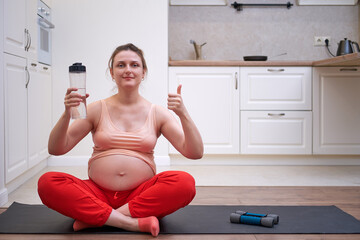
(78,225)
(149,224)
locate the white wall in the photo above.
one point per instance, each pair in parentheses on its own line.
(88,31)
(3,191)
(260,30)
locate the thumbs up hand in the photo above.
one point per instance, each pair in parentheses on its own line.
(179,89)
(175,102)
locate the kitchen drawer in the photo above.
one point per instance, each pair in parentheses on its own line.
(275,88)
(276,132)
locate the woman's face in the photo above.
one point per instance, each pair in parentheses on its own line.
(127,69)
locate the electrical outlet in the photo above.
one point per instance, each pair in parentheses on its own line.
(320,41)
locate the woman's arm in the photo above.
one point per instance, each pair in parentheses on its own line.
(185,138)
(64,137)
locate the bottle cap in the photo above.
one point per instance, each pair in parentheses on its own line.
(77,67)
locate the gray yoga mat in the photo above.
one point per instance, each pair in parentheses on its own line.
(193,219)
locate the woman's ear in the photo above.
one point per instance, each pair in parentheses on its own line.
(144,73)
(111,73)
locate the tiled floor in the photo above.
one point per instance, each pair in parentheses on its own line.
(226,176)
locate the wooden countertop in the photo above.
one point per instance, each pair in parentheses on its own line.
(349,60)
(235,63)
(345,60)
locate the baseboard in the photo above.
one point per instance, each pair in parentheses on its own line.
(3,196)
(245,160)
(162,160)
(55,161)
(83,160)
(268,160)
(17,182)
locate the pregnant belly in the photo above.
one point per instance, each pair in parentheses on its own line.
(119,172)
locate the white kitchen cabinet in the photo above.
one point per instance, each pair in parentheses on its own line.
(39,112)
(27,87)
(275,88)
(32,27)
(276,132)
(15,79)
(276,115)
(20,28)
(211,95)
(27,114)
(336,110)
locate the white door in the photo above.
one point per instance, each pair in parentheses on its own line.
(39,112)
(269,132)
(15,37)
(336,110)
(15,79)
(211,95)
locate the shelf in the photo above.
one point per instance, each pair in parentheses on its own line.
(198,2)
(329,2)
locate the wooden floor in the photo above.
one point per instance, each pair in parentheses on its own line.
(346,198)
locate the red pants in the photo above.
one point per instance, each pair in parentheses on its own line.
(84,200)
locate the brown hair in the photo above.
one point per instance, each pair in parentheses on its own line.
(127,47)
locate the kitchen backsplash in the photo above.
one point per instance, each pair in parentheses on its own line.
(230,35)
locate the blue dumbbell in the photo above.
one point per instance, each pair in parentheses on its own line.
(274,216)
(267,220)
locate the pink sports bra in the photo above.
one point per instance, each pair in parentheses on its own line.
(109,140)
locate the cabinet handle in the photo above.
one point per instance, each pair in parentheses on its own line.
(236,80)
(33,64)
(45,68)
(45,23)
(348,69)
(27,77)
(27,40)
(276,70)
(276,114)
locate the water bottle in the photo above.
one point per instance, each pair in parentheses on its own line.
(77,74)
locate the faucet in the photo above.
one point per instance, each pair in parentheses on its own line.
(197,49)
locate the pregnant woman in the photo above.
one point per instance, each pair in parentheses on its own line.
(123,189)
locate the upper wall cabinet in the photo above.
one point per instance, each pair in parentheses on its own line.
(198,2)
(328,2)
(20,28)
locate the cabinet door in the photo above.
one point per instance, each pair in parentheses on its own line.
(15,37)
(20,28)
(264,132)
(15,79)
(32,26)
(39,112)
(336,110)
(275,88)
(211,96)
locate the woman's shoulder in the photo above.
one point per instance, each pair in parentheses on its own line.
(94,106)
(94,112)
(162,113)
(159,109)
